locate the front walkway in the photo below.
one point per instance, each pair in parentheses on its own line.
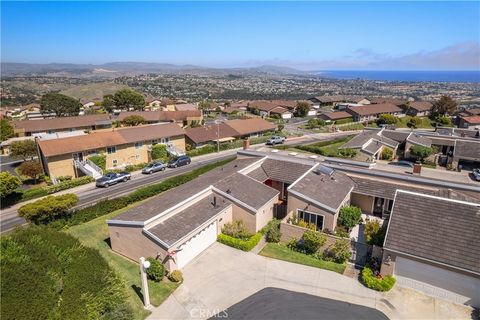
(222,276)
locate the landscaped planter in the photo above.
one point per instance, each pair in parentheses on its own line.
(370,280)
(245,245)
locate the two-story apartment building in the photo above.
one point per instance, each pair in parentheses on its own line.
(121,147)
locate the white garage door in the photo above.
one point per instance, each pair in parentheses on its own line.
(195,245)
(437,282)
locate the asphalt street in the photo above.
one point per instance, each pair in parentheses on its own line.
(275,303)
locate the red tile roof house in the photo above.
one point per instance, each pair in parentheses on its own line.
(472,122)
(432,244)
(228,131)
(179,224)
(373,111)
(269,108)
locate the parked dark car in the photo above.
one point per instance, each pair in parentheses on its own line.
(179,161)
(154,167)
(112,178)
(476,174)
(402,163)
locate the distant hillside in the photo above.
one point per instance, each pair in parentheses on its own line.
(116,69)
(94,91)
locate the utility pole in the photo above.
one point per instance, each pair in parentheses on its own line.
(144,265)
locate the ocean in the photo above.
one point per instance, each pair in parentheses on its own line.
(409,76)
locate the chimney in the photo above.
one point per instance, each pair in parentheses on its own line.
(214,201)
(417,168)
(246,144)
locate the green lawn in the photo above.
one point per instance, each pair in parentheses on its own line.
(326,148)
(353,126)
(281,252)
(425,124)
(95,234)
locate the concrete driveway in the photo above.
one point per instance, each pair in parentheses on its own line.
(222,276)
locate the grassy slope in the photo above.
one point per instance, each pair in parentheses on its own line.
(281,252)
(93,91)
(95,234)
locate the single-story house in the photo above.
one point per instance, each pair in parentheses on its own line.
(334,100)
(373,111)
(418,108)
(61,124)
(382,100)
(369,145)
(471,122)
(335,116)
(466,153)
(183,118)
(269,108)
(252,127)
(122,147)
(210,133)
(186,107)
(415,139)
(432,244)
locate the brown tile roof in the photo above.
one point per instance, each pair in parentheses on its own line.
(421,105)
(102,139)
(211,133)
(328,190)
(473,112)
(60,123)
(374,109)
(186,107)
(397,102)
(181,224)
(437,229)
(467,149)
(329,98)
(251,126)
(262,105)
(150,116)
(335,115)
(162,116)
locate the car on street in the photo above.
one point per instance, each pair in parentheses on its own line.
(275,140)
(402,163)
(179,161)
(154,167)
(476,174)
(112,178)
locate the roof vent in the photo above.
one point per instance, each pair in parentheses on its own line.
(229,191)
(324,170)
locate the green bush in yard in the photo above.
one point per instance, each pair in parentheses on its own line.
(236,229)
(350,216)
(156,271)
(387,154)
(48,274)
(175,276)
(159,152)
(48,209)
(273,233)
(313,240)
(68,184)
(339,252)
(245,245)
(371,281)
(100,160)
(8,184)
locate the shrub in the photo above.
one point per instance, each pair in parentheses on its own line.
(156,271)
(414,122)
(100,160)
(133,120)
(175,276)
(350,216)
(292,244)
(370,280)
(245,245)
(159,152)
(48,274)
(347,153)
(387,154)
(48,209)
(8,184)
(237,229)
(340,251)
(374,233)
(313,240)
(444,120)
(341,231)
(273,233)
(420,152)
(387,119)
(68,184)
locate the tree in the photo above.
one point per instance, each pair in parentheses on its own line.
(6,130)
(23,149)
(159,152)
(108,102)
(8,184)
(302,109)
(387,119)
(350,216)
(60,104)
(280,127)
(48,209)
(387,153)
(444,106)
(313,240)
(31,169)
(420,152)
(127,98)
(156,271)
(133,120)
(414,122)
(374,233)
(204,105)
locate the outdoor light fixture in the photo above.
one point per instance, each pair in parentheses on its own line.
(144,265)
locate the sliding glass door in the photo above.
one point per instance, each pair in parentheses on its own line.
(316,219)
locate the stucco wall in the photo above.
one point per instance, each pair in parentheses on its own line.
(295,203)
(61,165)
(362,201)
(265,214)
(248,218)
(127,154)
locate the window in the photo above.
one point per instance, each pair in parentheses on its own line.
(111,150)
(316,219)
(138,145)
(114,161)
(137,156)
(165,140)
(155,141)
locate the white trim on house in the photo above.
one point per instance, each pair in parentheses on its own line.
(247,170)
(303,175)
(128,223)
(155,238)
(440,198)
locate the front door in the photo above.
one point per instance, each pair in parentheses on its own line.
(78,156)
(378,207)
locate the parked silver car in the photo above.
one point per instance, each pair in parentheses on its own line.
(154,167)
(275,140)
(112,178)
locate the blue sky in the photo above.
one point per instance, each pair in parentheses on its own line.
(304,35)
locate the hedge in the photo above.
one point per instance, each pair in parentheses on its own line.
(380,284)
(48,209)
(48,274)
(104,207)
(245,245)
